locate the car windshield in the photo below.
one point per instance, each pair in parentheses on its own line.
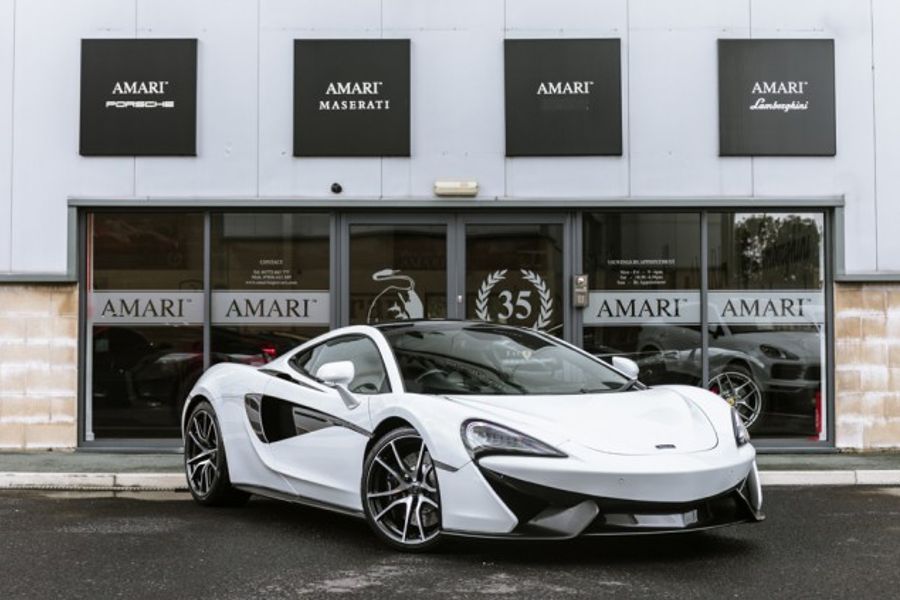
(474,359)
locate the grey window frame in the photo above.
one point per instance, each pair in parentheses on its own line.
(344,211)
(768,444)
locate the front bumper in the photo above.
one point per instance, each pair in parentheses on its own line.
(507,505)
(549,513)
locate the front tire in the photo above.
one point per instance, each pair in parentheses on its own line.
(400,493)
(736,385)
(205,464)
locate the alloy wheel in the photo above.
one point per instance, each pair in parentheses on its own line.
(401,491)
(740,391)
(201,453)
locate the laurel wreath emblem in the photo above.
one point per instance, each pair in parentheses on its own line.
(546,312)
(484,292)
(493,278)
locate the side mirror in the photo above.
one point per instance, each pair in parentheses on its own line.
(338,375)
(627,366)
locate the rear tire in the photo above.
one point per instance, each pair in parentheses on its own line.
(205,464)
(400,493)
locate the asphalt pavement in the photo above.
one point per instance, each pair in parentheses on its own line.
(818,542)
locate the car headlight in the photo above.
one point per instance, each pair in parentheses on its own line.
(483,437)
(775,352)
(741,435)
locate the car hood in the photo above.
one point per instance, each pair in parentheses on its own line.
(633,423)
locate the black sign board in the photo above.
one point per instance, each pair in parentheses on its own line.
(776,97)
(138,97)
(563,97)
(351,97)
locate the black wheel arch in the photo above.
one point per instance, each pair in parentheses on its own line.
(189,405)
(385,426)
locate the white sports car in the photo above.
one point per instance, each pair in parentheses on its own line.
(437,428)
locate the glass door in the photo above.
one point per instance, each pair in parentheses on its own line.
(515,270)
(396,268)
(644,276)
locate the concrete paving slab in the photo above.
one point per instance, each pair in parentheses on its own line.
(26,480)
(164,471)
(90,462)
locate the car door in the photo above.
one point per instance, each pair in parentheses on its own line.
(319,434)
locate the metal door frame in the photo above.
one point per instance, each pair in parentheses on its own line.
(347,220)
(564,219)
(456,223)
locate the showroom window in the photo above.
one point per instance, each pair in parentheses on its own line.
(644,302)
(762,301)
(145,320)
(270,283)
(731,300)
(149,310)
(767,319)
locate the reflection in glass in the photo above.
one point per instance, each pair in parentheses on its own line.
(259,344)
(270,282)
(143,357)
(766,314)
(514,275)
(644,274)
(633,251)
(140,377)
(487,360)
(270,251)
(397,272)
(146,251)
(765,251)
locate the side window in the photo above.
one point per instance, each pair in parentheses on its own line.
(370,376)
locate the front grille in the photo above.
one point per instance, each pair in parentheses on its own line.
(627,517)
(787,371)
(528,500)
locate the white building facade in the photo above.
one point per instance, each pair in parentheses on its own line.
(705,186)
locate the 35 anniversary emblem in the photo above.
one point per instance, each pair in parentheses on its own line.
(515,305)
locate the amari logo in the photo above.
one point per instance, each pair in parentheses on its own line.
(139,88)
(269,307)
(354,88)
(564,88)
(146,307)
(779,88)
(138,308)
(617,308)
(763,308)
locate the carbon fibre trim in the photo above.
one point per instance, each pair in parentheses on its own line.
(279,495)
(274,419)
(530,502)
(444,466)
(286,377)
(544,538)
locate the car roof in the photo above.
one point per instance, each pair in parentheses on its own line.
(438,324)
